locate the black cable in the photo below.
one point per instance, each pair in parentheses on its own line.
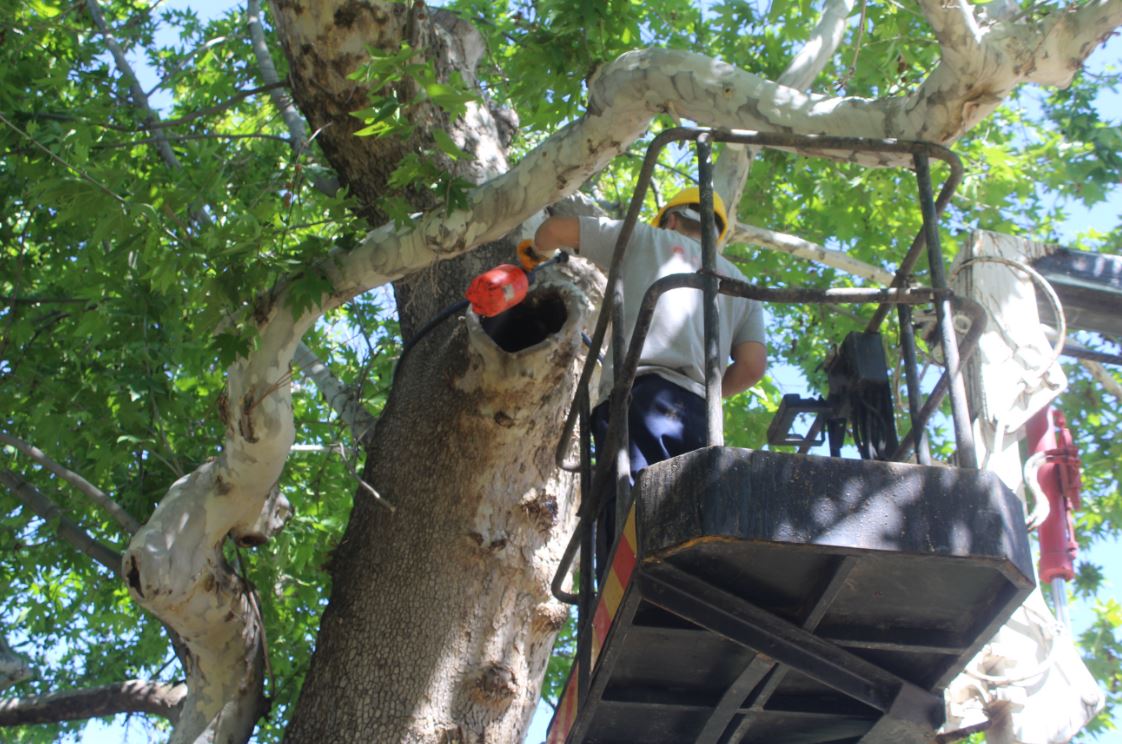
(439,318)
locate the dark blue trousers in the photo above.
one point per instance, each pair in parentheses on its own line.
(664,420)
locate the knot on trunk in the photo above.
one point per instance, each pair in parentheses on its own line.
(494,688)
(540,508)
(549,617)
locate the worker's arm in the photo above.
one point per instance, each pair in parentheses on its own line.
(557,232)
(749,362)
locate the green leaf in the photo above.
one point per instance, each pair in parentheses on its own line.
(447,145)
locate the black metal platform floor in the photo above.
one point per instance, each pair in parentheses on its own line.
(795,599)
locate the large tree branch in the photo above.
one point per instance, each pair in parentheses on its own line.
(955,26)
(95,494)
(67,529)
(153,122)
(174,566)
(815,54)
(796,246)
(965,88)
(131,696)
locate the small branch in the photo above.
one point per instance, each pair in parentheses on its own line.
(12,300)
(1104,377)
(13,668)
(99,497)
(209,44)
(123,66)
(74,169)
(341,399)
(131,696)
(735,164)
(796,246)
(297,128)
(185,137)
(844,81)
(217,108)
(292,118)
(955,26)
(67,529)
(820,47)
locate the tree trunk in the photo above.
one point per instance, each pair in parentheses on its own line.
(440,622)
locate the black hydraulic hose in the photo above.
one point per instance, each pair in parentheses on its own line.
(439,318)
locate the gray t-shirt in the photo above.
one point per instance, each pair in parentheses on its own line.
(674,348)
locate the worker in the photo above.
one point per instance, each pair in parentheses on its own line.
(667,412)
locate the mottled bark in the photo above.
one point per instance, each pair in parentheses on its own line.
(327,41)
(444,603)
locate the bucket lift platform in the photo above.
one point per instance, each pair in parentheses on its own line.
(766,597)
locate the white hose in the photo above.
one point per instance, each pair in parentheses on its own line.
(1041,508)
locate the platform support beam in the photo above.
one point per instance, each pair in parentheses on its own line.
(911,708)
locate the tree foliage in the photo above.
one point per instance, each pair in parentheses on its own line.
(127,237)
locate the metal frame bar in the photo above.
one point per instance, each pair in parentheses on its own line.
(802,143)
(770,676)
(746,624)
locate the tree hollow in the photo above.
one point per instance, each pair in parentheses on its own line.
(530,322)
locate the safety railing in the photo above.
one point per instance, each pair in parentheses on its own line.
(613,467)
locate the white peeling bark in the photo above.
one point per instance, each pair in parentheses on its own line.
(297,128)
(630,91)
(955,26)
(342,400)
(174,565)
(796,246)
(973,77)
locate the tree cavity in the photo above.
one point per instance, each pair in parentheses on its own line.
(532,321)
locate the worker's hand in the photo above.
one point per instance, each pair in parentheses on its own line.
(527,256)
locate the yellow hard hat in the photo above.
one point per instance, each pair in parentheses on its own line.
(692,197)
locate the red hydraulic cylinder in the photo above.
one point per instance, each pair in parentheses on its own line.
(1060,480)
